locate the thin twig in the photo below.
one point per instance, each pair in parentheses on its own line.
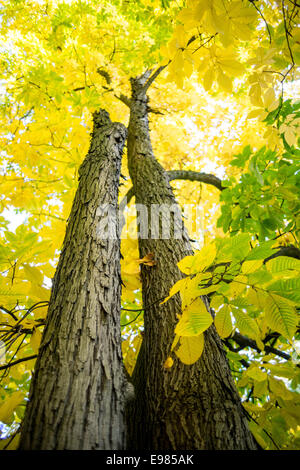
(267,26)
(11,439)
(9,312)
(154,76)
(140,310)
(287,39)
(23,359)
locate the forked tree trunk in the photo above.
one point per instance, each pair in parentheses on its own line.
(78,388)
(185,407)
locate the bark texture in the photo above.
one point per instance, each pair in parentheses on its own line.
(78,387)
(185,407)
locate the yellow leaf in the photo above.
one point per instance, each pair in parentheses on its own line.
(131,282)
(223,322)
(133,267)
(192,288)
(188,64)
(177,63)
(224,81)
(243,31)
(257,113)
(125,346)
(187,17)
(11,443)
(259,433)
(179,285)
(35,340)
(256,373)
(281,316)
(246,325)
(180,39)
(185,265)
(41,312)
(216,301)
(201,260)
(165,54)
(175,342)
(290,137)
(208,290)
(190,349)
(208,78)
(33,274)
(251,266)
(137,343)
(257,298)
(270,101)
(8,407)
(195,319)
(39,292)
(238,285)
(192,16)
(280,390)
(17,371)
(255,95)
(168,363)
(231,66)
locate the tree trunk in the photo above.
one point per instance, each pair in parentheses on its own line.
(185,407)
(78,387)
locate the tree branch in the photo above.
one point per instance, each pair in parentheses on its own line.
(8,312)
(124,99)
(23,359)
(231,348)
(290,250)
(180,175)
(266,23)
(126,199)
(245,342)
(154,76)
(195,176)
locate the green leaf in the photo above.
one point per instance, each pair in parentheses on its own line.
(216,301)
(283,263)
(236,247)
(288,288)
(257,374)
(281,316)
(240,159)
(246,325)
(263,251)
(286,370)
(259,434)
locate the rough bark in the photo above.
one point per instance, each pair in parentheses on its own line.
(78,387)
(185,407)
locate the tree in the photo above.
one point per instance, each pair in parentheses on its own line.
(219,319)
(172,407)
(86,374)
